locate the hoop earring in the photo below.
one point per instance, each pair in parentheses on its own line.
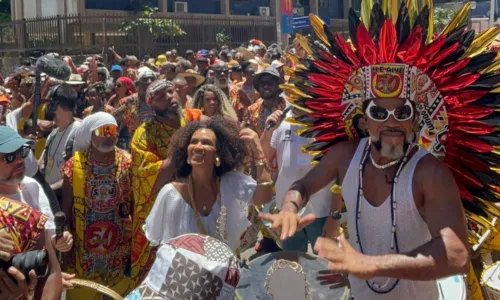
(217,162)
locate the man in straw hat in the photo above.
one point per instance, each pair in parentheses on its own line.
(97,200)
(194,80)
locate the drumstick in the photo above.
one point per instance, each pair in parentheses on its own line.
(485,236)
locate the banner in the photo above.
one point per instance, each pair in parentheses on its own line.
(286,16)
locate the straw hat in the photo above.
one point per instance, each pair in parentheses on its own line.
(192,73)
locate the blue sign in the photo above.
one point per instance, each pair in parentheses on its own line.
(304,22)
(287,24)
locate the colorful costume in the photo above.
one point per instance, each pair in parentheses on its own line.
(452,80)
(134,116)
(101,222)
(24,224)
(149,150)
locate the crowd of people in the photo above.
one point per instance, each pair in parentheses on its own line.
(229,143)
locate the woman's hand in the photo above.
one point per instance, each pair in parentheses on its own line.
(252,139)
(287,222)
(66,280)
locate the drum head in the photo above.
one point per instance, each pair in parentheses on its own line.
(452,288)
(290,275)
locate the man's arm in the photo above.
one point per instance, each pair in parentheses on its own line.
(319,176)
(53,286)
(446,254)
(57,186)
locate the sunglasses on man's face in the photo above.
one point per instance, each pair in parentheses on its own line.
(23,152)
(109,130)
(401,113)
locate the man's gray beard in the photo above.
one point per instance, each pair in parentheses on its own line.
(170,114)
(219,85)
(390,152)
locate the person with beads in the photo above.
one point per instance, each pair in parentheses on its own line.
(97,200)
(151,167)
(418,140)
(209,195)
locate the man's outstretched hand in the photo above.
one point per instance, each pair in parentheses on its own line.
(287,222)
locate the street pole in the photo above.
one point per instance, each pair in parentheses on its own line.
(492,13)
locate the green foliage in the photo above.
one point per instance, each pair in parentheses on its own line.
(146,20)
(441,17)
(222,37)
(5,11)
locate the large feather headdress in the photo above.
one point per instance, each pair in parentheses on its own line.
(450,76)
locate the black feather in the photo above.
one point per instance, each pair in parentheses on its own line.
(403,24)
(490,158)
(377,19)
(334,48)
(454,36)
(423,21)
(487,81)
(306,119)
(474,208)
(489,100)
(354,22)
(318,146)
(478,62)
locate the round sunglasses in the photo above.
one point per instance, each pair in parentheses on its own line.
(23,152)
(380,114)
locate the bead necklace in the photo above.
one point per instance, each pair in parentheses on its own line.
(394,241)
(382,167)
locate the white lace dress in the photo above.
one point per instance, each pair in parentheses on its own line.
(171,215)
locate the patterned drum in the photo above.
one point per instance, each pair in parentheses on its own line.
(490,281)
(452,288)
(288,276)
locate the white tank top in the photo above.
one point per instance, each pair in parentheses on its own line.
(375,230)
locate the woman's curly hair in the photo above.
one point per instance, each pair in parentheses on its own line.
(231,150)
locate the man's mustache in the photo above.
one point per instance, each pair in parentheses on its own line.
(392,130)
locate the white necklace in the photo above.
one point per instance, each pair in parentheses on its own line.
(392,163)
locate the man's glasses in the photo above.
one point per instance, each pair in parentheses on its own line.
(109,130)
(23,152)
(380,114)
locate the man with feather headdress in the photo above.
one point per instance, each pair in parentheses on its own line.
(429,110)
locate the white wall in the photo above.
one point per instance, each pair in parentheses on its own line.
(29,9)
(50,8)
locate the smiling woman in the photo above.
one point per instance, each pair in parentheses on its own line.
(212,101)
(209,195)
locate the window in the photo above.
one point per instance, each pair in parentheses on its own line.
(323,3)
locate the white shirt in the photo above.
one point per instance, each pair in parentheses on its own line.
(56,146)
(33,195)
(172,216)
(294,164)
(12,120)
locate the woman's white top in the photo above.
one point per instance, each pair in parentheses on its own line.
(172,216)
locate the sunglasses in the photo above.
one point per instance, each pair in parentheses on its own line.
(24,151)
(380,114)
(109,130)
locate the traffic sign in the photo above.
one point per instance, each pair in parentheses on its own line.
(304,22)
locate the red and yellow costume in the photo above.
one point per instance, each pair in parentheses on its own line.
(149,150)
(451,78)
(101,222)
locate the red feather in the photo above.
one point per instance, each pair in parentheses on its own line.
(472,127)
(387,43)
(463,97)
(439,58)
(347,51)
(409,51)
(468,142)
(366,47)
(456,83)
(470,112)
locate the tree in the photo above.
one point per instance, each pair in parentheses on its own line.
(147,22)
(5,11)
(222,37)
(441,17)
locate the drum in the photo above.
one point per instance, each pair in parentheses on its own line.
(288,275)
(452,288)
(490,281)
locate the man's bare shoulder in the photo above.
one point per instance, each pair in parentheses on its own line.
(431,171)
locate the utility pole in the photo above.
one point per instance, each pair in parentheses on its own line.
(492,12)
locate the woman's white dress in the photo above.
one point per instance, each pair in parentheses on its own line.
(171,215)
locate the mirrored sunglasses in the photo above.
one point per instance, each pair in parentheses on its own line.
(109,130)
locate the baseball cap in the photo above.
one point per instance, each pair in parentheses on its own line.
(10,140)
(116,68)
(267,71)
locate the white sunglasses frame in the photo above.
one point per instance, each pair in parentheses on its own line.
(390,112)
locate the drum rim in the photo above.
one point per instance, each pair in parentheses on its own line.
(483,274)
